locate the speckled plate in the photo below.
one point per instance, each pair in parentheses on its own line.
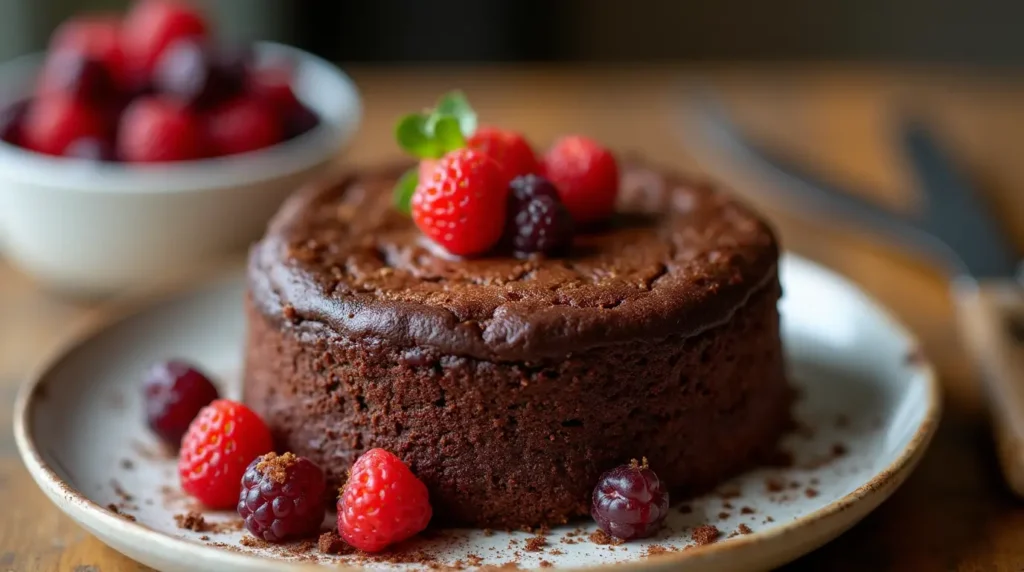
(869,406)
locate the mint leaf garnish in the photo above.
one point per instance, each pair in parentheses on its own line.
(455,104)
(448,134)
(402,195)
(415,135)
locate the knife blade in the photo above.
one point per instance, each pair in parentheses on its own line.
(955,226)
(954,213)
(803,189)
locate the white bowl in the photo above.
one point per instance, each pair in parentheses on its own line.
(97,228)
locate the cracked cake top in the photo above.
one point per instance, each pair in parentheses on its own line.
(678,258)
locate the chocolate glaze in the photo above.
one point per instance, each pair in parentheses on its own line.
(679,258)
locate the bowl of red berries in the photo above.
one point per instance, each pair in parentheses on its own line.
(139,147)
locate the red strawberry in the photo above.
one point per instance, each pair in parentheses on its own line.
(508,148)
(382,503)
(243,124)
(153,25)
(54,122)
(216,450)
(461,203)
(155,129)
(586,175)
(97,38)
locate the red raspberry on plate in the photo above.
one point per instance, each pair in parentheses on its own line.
(282,497)
(97,38)
(508,148)
(218,446)
(586,175)
(629,501)
(242,124)
(461,203)
(153,25)
(382,503)
(175,392)
(52,123)
(155,129)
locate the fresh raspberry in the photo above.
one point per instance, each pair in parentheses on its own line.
(153,25)
(174,393)
(154,129)
(194,75)
(243,124)
(77,75)
(97,38)
(537,221)
(587,178)
(382,503)
(282,497)
(508,148)
(218,446)
(12,118)
(53,122)
(273,82)
(461,204)
(629,502)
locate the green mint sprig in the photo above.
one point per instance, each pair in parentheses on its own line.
(430,135)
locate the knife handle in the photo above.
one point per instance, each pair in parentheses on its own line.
(991,318)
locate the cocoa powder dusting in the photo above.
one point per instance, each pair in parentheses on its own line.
(811,493)
(545,564)
(743,529)
(114,509)
(705,534)
(774,485)
(536,544)
(191,521)
(723,515)
(601,537)
(838,450)
(331,543)
(746,510)
(275,466)
(253,542)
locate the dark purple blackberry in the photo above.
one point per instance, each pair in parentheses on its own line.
(174,393)
(11,119)
(298,120)
(629,502)
(537,221)
(282,497)
(75,74)
(197,76)
(92,148)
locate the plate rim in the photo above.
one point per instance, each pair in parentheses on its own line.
(77,506)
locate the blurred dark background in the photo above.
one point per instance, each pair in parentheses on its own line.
(984,33)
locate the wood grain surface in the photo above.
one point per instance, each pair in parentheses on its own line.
(953,514)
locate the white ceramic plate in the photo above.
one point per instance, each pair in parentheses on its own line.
(868,409)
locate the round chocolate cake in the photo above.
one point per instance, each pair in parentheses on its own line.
(510,385)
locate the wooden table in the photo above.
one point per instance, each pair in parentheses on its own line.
(953,513)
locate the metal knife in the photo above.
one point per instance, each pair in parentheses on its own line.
(953,227)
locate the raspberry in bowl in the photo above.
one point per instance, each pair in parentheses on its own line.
(129,160)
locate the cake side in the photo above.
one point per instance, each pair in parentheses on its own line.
(508,444)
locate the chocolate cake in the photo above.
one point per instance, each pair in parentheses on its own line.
(510,385)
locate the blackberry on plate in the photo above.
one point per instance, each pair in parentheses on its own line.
(282,497)
(174,392)
(629,501)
